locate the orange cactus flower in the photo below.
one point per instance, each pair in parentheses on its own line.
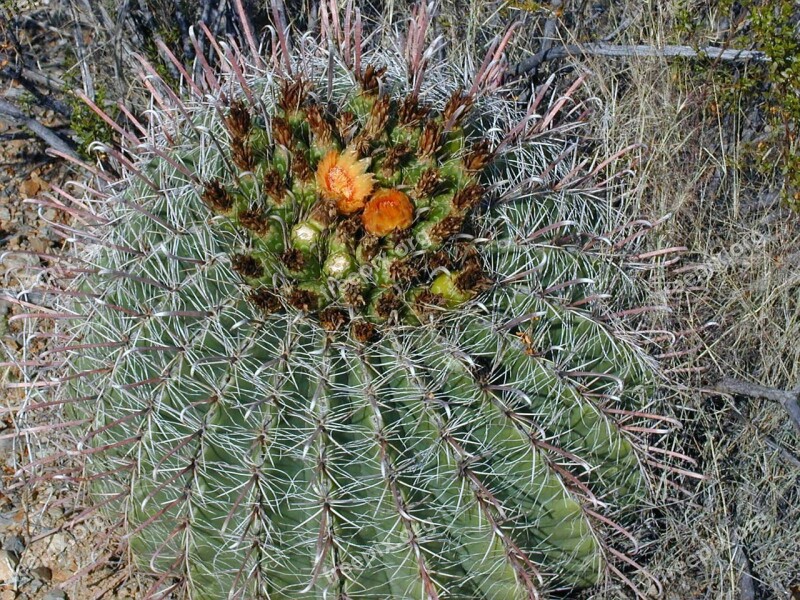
(387,211)
(344,178)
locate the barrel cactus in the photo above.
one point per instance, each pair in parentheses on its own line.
(345,325)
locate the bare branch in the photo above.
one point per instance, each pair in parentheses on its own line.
(80,53)
(626,51)
(11,113)
(548,37)
(45,80)
(787,399)
(747,589)
(44,100)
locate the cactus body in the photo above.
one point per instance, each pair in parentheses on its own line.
(328,343)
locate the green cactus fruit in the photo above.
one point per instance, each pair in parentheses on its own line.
(347,332)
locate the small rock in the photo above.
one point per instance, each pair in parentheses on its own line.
(55,513)
(16,147)
(78,532)
(8,595)
(21,266)
(59,542)
(30,187)
(125,592)
(15,544)
(55,594)
(43,573)
(8,565)
(6,446)
(38,244)
(34,586)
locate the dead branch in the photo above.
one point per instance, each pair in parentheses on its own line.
(11,113)
(627,22)
(782,450)
(80,53)
(627,51)
(789,400)
(747,590)
(43,100)
(548,35)
(45,80)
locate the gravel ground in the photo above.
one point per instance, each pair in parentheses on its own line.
(36,557)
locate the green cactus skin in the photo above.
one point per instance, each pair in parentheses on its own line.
(281,406)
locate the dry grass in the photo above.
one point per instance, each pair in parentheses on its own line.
(738,289)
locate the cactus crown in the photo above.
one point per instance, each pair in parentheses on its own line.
(350,208)
(345,334)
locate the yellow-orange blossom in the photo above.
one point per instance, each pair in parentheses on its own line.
(343,178)
(388,210)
